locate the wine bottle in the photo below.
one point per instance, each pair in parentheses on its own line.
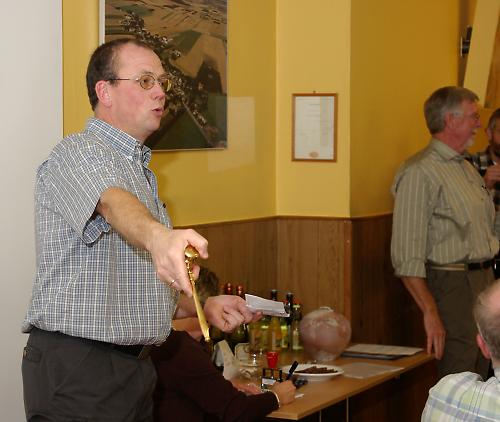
(240,334)
(297,316)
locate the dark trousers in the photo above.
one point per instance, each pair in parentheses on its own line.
(72,379)
(455,293)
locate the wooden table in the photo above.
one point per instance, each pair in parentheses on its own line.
(342,390)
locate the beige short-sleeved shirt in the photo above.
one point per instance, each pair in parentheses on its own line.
(442,212)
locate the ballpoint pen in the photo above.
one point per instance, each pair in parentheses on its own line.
(293,367)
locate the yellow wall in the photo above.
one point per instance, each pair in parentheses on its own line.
(203,186)
(382,59)
(313,51)
(238,183)
(401,52)
(80,38)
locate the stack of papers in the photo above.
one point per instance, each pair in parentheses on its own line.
(379,351)
(362,370)
(266,306)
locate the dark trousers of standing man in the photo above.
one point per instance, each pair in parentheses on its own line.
(455,292)
(73,379)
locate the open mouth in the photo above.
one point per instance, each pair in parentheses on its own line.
(158,111)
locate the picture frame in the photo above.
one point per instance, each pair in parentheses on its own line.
(190,38)
(314,127)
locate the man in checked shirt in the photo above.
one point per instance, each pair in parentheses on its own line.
(487,162)
(110,268)
(444,233)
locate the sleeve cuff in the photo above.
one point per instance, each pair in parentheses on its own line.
(277,398)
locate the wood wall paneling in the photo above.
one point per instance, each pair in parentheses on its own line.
(297,259)
(341,263)
(243,253)
(382,310)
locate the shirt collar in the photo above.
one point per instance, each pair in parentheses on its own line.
(119,140)
(445,151)
(497,373)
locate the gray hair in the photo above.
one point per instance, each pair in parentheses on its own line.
(443,101)
(488,319)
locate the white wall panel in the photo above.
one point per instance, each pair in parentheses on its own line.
(30,124)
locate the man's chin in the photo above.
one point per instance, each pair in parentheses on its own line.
(469,143)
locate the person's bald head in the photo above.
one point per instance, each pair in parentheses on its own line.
(487,316)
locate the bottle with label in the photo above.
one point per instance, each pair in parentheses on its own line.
(255,338)
(240,334)
(289,319)
(264,323)
(274,334)
(284,331)
(297,316)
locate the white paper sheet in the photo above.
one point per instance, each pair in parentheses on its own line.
(381,349)
(266,306)
(362,370)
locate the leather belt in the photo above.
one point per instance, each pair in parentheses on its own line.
(463,266)
(138,351)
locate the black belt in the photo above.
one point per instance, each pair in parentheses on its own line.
(139,351)
(479,265)
(462,266)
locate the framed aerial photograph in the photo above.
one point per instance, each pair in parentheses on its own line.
(314,125)
(190,37)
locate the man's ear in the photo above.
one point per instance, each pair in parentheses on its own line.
(483,346)
(449,120)
(101,89)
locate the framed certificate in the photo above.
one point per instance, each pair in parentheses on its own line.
(314,127)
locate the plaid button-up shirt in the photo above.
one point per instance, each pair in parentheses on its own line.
(464,397)
(481,161)
(90,282)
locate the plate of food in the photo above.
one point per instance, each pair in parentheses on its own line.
(315,371)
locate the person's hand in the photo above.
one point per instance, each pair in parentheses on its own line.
(492,176)
(436,333)
(227,312)
(285,391)
(248,388)
(167,250)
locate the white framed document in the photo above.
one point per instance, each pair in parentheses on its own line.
(314,127)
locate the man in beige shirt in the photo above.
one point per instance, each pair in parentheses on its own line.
(443,238)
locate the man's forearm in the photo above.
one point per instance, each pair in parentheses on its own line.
(133,221)
(128,216)
(418,289)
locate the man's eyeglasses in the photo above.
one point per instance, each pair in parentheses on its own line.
(474,116)
(147,82)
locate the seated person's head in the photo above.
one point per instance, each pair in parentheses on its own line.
(487,316)
(207,284)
